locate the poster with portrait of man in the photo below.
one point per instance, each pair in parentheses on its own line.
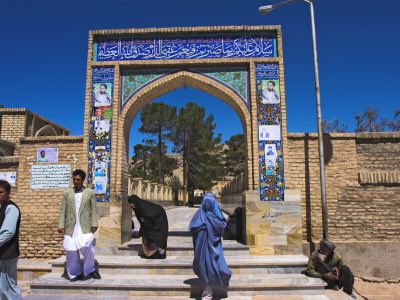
(270,166)
(100,165)
(270,151)
(101,113)
(100,185)
(269,132)
(47,155)
(102,93)
(101,126)
(270,92)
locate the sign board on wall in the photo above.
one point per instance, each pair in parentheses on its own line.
(50,176)
(11,177)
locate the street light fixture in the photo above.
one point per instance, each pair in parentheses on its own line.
(265,10)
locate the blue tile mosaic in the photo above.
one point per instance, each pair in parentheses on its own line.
(189,47)
(100,129)
(269,132)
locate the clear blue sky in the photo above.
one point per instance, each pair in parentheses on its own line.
(43,53)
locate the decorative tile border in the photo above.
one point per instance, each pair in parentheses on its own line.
(99,161)
(269,132)
(236,79)
(186,47)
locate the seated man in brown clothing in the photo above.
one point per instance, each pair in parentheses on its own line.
(327,264)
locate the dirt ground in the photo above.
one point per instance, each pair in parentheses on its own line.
(378,289)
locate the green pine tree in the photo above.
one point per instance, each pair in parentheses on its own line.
(157,121)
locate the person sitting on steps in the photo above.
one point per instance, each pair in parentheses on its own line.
(326,263)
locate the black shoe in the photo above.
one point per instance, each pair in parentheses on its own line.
(160,256)
(76,278)
(94,275)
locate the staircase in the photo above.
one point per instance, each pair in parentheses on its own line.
(126,275)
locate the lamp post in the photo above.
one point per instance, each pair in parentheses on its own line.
(265,10)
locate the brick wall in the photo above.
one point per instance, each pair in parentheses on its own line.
(378,151)
(40,208)
(6,148)
(20,122)
(363,212)
(355,211)
(13,125)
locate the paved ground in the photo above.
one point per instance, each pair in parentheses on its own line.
(178,218)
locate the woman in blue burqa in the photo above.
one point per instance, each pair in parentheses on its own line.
(207,228)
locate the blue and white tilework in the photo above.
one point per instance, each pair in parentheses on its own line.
(269,132)
(99,162)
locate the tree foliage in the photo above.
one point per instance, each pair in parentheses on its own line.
(370,121)
(234,155)
(157,121)
(193,138)
(140,164)
(394,124)
(145,162)
(333,126)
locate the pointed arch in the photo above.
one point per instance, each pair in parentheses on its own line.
(163,86)
(47,130)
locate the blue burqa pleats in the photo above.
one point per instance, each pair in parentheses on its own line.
(207,227)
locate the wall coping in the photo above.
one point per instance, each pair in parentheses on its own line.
(27,111)
(312,135)
(174,30)
(9,159)
(7,143)
(60,138)
(347,135)
(378,135)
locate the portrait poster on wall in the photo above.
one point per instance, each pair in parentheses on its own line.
(270,92)
(47,155)
(269,132)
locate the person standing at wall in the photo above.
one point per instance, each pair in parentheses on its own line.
(78,223)
(10,218)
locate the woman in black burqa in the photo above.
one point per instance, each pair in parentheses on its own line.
(153,226)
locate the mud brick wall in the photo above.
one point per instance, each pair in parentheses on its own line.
(13,124)
(40,208)
(357,209)
(378,151)
(6,148)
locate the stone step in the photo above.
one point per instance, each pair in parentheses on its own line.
(242,297)
(183,265)
(177,246)
(178,285)
(31,269)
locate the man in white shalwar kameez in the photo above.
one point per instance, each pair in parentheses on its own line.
(78,223)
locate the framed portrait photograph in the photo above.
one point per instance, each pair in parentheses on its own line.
(47,155)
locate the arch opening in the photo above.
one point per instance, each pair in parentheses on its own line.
(163,86)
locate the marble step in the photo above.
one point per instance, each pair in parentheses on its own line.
(179,285)
(182,265)
(177,246)
(242,297)
(31,269)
